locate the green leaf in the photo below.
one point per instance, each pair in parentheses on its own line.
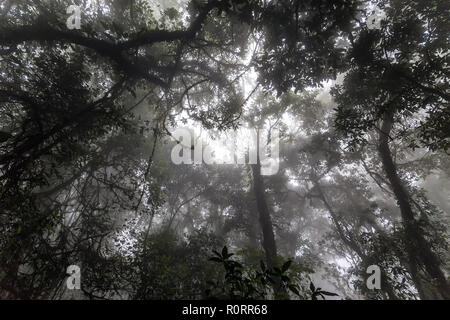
(225,252)
(329,293)
(312,287)
(215,259)
(294,289)
(286,266)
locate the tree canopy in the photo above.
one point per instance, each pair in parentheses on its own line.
(354,93)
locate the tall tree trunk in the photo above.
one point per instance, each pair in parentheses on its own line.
(265,221)
(417,247)
(253,229)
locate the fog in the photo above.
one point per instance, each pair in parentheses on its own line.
(288,150)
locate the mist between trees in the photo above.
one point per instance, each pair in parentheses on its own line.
(354,93)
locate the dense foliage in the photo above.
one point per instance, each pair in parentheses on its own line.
(358,91)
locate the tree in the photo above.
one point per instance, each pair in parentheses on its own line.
(395,73)
(86,137)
